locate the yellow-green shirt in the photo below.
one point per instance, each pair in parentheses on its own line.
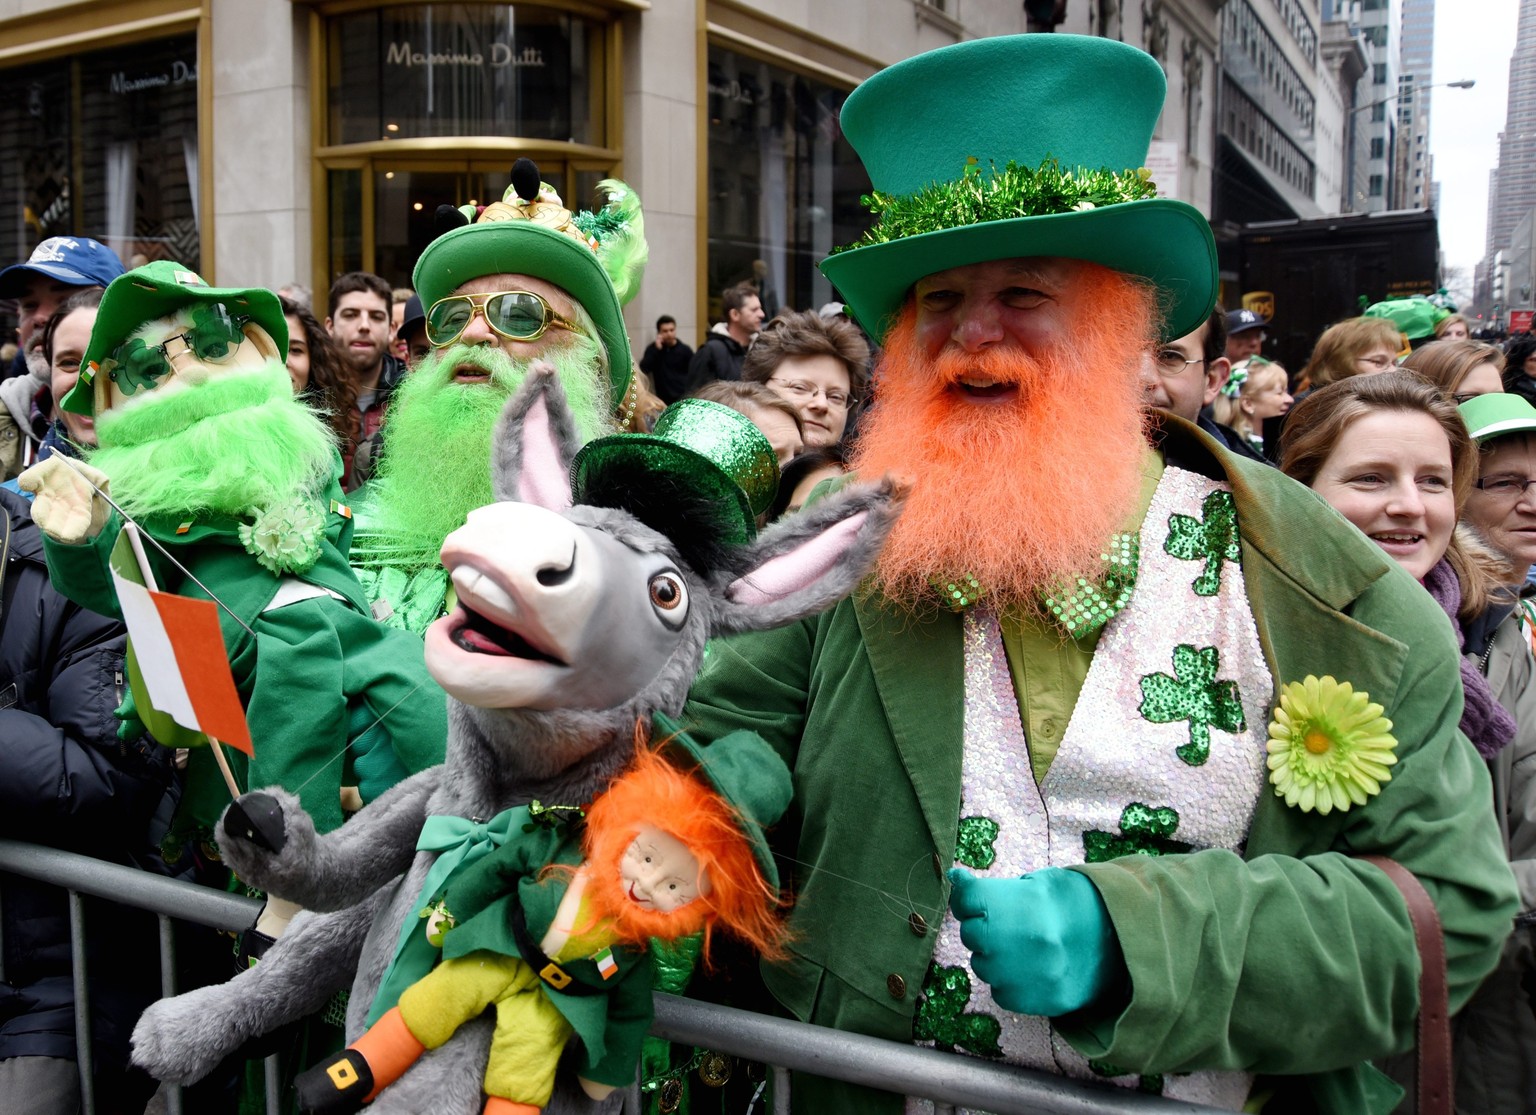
(1049,666)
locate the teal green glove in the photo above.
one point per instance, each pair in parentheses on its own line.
(1044,942)
(129,727)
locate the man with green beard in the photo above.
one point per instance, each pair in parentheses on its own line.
(528,280)
(207,450)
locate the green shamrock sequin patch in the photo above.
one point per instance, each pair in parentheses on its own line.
(942,1017)
(1213,539)
(973,846)
(1192,693)
(1144,831)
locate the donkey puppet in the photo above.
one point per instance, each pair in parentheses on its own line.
(572,624)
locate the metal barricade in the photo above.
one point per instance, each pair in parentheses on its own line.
(949,1080)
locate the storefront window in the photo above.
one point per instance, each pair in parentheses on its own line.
(784,185)
(103,144)
(430,70)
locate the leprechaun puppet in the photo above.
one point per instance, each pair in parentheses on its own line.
(236,483)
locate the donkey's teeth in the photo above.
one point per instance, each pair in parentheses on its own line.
(469,581)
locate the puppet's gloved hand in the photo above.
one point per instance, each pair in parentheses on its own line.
(66,509)
(1044,942)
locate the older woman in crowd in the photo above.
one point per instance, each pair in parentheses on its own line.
(1354,347)
(1462,370)
(817,365)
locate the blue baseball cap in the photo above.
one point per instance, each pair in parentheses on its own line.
(74,260)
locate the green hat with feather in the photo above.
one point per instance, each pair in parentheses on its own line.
(1017,146)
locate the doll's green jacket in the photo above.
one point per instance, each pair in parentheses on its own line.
(1292,960)
(342,700)
(614,1014)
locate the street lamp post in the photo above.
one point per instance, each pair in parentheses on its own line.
(1353,139)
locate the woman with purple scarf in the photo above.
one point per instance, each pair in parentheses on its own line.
(1393,456)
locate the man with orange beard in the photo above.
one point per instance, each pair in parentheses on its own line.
(1082,776)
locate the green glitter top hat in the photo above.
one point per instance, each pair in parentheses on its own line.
(699,447)
(1015,146)
(154,291)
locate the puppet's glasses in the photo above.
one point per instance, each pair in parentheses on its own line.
(213,338)
(518,315)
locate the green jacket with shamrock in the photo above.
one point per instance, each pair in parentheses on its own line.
(332,698)
(1293,959)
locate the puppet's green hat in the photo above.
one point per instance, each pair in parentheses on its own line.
(154,291)
(1015,146)
(746,772)
(698,445)
(595,257)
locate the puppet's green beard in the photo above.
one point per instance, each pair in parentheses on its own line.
(237,442)
(436,466)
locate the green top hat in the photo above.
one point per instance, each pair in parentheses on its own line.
(1497,415)
(952,140)
(746,772)
(151,292)
(703,446)
(576,256)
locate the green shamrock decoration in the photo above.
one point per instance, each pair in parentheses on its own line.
(1193,694)
(942,1017)
(1212,539)
(212,332)
(1144,831)
(1152,1084)
(973,845)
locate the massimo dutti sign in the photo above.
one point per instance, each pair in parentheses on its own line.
(500,54)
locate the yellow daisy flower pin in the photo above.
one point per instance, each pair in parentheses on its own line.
(1329,747)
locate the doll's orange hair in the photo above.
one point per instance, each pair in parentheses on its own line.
(652,791)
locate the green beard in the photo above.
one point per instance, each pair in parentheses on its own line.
(436,464)
(237,443)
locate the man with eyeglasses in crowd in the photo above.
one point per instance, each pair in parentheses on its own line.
(519,283)
(814,364)
(1184,376)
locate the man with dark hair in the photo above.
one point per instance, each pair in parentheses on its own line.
(1185,375)
(816,364)
(722,352)
(666,361)
(359,321)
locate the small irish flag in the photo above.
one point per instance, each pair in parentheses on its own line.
(179,649)
(607,966)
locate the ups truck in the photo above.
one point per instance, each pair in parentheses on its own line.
(1319,269)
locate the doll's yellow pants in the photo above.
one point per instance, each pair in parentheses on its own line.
(530,1032)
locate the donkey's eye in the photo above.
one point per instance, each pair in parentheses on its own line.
(669,596)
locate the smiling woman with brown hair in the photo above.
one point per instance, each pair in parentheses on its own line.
(815,364)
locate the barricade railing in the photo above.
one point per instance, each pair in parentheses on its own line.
(948,1079)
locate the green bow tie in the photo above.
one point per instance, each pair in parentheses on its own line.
(1086,605)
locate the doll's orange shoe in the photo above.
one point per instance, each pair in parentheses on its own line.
(496,1105)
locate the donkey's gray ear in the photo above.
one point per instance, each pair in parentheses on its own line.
(807,562)
(535,443)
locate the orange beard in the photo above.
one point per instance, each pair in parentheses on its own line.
(1020,494)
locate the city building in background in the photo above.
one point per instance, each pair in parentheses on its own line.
(331,130)
(1502,280)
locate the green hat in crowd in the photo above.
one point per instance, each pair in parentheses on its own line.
(595,257)
(697,445)
(158,290)
(1498,415)
(1013,146)
(743,770)
(1414,317)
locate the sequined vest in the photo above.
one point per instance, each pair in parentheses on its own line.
(1164,753)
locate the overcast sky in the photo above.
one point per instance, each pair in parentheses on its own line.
(1471,41)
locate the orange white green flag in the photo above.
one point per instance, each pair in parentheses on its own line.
(177,662)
